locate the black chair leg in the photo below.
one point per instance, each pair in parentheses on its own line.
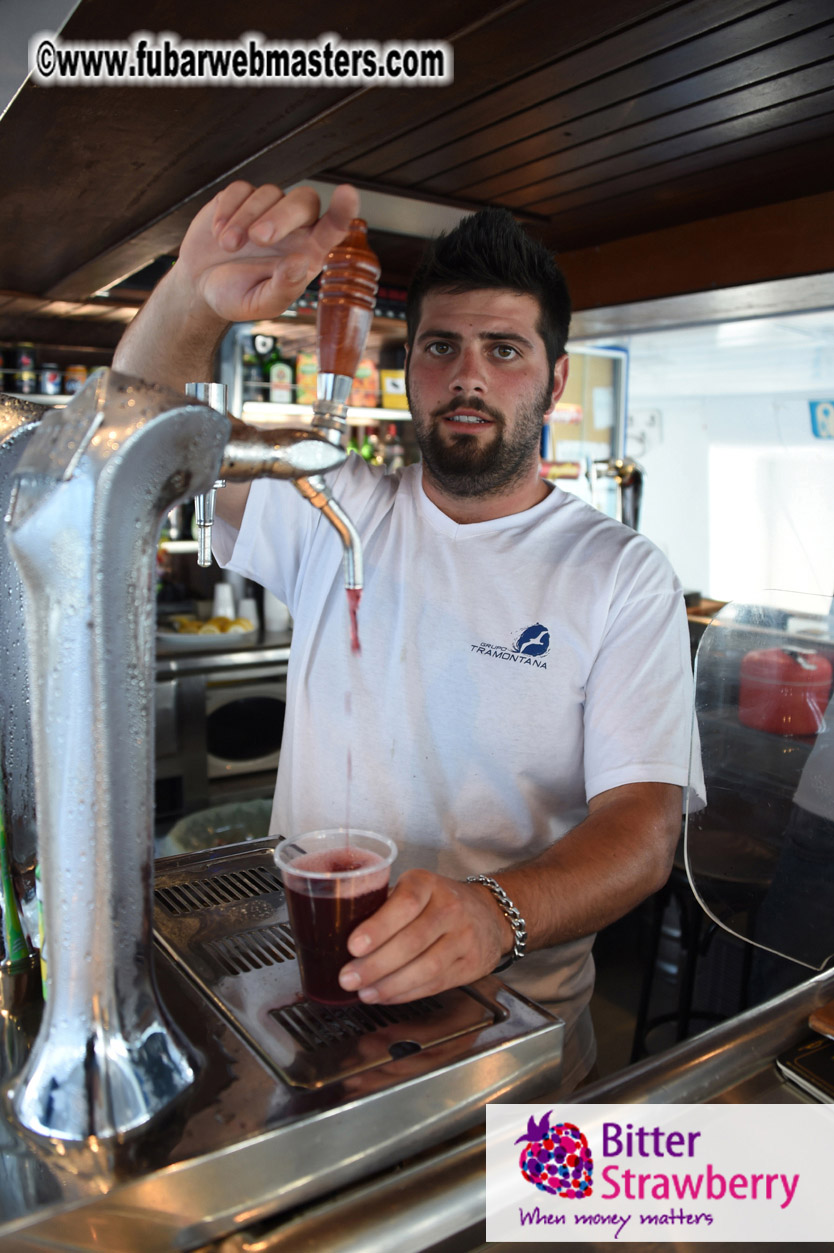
(659,902)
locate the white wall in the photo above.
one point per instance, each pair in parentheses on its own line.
(738,493)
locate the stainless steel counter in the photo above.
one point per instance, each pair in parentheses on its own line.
(438,1200)
(272,647)
(268,1125)
(429,1197)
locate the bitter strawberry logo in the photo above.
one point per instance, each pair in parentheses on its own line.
(557,1158)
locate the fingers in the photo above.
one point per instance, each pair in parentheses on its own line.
(332,227)
(267,216)
(238,208)
(227,202)
(405,904)
(432,933)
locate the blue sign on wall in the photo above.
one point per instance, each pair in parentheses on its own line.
(822,418)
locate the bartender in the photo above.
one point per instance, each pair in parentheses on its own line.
(520,711)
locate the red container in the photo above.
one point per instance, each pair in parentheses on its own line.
(784,691)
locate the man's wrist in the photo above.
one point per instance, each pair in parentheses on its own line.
(191,307)
(174,338)
(514,928)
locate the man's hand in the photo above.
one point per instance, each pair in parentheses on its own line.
(247,255)
(432,933)
(251,251)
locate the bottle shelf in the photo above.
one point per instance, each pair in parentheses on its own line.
(180,545)
(267,413)
(37,398)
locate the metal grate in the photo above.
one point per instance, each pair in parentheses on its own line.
(319,1026)
(251,950)
(221,889)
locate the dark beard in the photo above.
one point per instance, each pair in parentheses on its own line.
(465,467)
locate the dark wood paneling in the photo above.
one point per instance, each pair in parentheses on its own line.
(596,121)
(110,161)
(733,137)
(615,65)
(713,174)
(58,332)
(685,106)
(770,243)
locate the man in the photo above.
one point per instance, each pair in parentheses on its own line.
(521,706)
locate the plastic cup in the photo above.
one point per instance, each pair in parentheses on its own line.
(224,601)
(333,880)
(248,608)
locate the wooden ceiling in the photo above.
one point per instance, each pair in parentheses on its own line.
(693,142)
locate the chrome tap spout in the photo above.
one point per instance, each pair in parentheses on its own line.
(316,491)
(303,455)
(277,452)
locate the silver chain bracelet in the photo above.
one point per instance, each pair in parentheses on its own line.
(512,915)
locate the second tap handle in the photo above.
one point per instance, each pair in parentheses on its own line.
(214,395)
(347,298)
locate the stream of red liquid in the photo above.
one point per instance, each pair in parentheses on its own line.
(354,595)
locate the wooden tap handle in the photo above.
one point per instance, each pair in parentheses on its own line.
(347,297)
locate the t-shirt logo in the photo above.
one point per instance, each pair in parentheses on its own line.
(530,648)
(534,641)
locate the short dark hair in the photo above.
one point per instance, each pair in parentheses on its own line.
(490,249)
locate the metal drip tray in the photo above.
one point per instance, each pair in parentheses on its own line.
(366,1086)
(224,920)
(343,1042)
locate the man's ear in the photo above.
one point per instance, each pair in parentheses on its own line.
(560,381)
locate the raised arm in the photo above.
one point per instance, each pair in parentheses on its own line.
(247,255)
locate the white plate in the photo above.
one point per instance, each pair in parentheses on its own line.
(179,642)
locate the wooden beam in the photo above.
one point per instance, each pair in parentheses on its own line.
(755,245)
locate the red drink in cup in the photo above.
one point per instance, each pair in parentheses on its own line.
(333,880)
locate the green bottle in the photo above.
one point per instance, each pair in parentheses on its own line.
(14,940)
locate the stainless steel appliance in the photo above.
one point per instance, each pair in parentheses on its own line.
(244,723)
(219,723)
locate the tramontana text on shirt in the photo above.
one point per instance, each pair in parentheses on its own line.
(530,648)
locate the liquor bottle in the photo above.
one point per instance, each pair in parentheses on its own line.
(306,378)
(16,949)
(254,385)
(370,449)
(393,453)
(281,378)
(25,376)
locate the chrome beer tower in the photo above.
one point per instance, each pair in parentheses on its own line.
(90,490)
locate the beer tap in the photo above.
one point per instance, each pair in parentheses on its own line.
(214,395)
(90,493)
(347,298)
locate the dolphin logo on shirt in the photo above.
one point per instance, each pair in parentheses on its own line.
(534,641)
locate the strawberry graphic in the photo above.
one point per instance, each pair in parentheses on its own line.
(556,1158)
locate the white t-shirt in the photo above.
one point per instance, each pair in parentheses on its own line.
(510,670)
